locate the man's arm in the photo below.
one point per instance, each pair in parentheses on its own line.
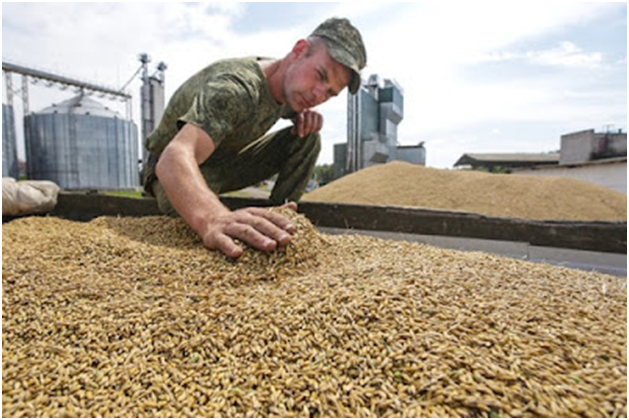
(178,173)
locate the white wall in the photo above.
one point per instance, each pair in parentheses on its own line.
(609,175)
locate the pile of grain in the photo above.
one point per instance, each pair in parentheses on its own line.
(124,317)
(518,196)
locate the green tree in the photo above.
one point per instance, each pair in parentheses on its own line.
(324,173)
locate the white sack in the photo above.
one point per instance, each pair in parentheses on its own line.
(28,197)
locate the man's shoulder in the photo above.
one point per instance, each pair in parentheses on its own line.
(242,74)
(243,68)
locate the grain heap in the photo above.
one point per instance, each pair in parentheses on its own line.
(518,196)
(124,317)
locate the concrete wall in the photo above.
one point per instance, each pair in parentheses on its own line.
(375,152)
(340,158)
(615,144)
(584,146)
(9,145)
(608,175)
(576,147)
(369,115)
(411,154)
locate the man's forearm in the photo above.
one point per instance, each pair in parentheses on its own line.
(186,189)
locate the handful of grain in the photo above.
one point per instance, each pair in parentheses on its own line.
(133,317)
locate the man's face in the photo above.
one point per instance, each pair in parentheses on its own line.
(313,79)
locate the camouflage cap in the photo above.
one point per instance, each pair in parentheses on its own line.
(345,45)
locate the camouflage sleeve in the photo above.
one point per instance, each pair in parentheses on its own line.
(219,107)
(288,113)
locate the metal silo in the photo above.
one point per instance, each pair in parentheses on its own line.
(81,144)
(9,146)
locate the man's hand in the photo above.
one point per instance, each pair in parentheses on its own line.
(307,122)
(179,174)
(261,228)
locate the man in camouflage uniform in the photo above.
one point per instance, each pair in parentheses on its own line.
(211,138)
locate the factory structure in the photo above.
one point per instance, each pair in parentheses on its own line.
(587,155)
(9,147)
(373,116)
(153,98)
(80,144)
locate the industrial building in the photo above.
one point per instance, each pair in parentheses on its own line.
(9,148)
(504,162)
(599,158)
(81,144)
(373,116)
(153,98)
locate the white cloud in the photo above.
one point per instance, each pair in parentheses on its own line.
(567,54)
(440,36)
(355,10)
(232,8)
(102,40)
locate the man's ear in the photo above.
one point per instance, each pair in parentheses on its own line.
(301,48)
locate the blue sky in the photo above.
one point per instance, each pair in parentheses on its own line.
(477,77)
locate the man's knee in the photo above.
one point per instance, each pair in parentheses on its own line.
(309,145)
(313,138)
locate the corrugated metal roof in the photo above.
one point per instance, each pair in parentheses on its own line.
(507,158)
(81,105)
(596,162)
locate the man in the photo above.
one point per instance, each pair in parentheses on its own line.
(211,138)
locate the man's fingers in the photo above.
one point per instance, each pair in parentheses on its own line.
(319,122)
(306,124)
(291,205)
(309,122)
(252,236)
(313,121)
(290,227)
(269,228)
(225,244)
(300,124)
(260,228)
(280,224)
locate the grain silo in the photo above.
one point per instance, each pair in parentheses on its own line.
(81,144)
(9,148)
(373,116)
